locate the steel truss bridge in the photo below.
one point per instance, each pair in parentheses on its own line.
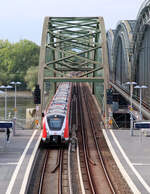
(73,49)
(77,49)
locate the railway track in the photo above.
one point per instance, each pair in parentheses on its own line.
(95,169)
(84,156)
(87,102)
(54,176)
(119,184)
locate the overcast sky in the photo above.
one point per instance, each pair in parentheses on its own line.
(23,19)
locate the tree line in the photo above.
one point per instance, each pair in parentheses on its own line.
(19,62)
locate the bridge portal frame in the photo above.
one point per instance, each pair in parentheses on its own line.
(77,45)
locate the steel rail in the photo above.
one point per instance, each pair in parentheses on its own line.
(85,147)
(80,171)
(58,162)
(69,170)
(43,172)
(96,144)
(77,119)
(60,172)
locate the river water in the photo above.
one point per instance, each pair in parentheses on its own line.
(22,105)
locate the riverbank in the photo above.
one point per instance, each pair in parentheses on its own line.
(19,94)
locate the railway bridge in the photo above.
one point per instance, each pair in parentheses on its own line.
(78,49)
(74,49)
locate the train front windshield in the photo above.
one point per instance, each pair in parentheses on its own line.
(55,122)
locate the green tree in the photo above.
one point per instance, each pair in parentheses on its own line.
(31,77)
(5,60)
(16,59)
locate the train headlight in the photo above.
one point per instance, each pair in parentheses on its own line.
(43,139)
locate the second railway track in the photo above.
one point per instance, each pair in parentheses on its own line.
(98,178)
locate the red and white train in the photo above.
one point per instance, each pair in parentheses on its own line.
(56,120)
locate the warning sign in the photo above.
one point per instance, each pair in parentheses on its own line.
(36,122)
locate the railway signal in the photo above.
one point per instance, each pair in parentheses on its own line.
(37,95)
(109,96)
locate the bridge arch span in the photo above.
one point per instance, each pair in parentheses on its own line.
(122,52)
(141,50)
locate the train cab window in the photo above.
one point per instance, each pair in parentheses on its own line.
(55,122)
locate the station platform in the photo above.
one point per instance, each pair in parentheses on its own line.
(16,160)
(132,155)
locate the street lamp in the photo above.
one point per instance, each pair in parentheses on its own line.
(131,116)
(140,87)
(1,92)
(15,106)
(5,87)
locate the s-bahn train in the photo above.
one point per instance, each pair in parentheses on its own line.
(57,118)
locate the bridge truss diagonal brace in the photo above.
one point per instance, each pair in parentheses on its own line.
(64,39)
(73,55)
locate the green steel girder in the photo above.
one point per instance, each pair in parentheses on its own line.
(74,42)
(90,71)
(55,71)
(75,34)
(78,32)
(74,23)
(73,55)
(71,27)
(73,18)
(73,46)
(84,24)
(83,64)
(74,79)
(65,64)
(77,69)
(69,39)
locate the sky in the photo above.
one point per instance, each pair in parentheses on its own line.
(23,19)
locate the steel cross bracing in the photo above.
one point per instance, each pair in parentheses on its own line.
(73,49)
